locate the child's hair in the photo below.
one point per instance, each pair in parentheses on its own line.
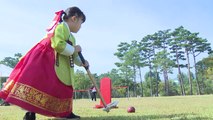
(74,11)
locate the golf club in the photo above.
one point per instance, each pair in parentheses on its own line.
(107,107)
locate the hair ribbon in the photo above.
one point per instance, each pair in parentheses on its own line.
(55,21)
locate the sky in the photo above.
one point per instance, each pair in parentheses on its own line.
(108,23)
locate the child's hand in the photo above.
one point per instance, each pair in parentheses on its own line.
(86,64)
(77,48)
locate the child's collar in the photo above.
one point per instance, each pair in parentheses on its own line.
(67,26)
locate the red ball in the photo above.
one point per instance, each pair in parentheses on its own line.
(131,109)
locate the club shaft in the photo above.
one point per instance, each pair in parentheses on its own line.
(97,89)
(92,79)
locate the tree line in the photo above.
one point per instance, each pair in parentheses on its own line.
(160,54)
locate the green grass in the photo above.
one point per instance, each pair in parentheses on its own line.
(147,108)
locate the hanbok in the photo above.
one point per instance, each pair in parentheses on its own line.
(34,85)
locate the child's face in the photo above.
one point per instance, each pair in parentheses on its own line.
(74,23)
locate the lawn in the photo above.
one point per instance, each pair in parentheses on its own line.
(147,108)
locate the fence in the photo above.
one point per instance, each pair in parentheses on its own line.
(117,92)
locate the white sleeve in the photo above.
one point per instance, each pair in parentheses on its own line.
(69,50)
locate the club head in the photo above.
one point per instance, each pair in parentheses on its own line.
(110,105)
(107,109)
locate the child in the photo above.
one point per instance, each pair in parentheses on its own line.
(42,80)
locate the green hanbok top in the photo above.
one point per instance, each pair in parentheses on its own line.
(64,51)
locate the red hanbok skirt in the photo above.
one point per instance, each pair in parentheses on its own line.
(34,86)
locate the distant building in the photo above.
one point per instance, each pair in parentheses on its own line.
(4,73)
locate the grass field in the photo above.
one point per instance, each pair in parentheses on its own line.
(147,108)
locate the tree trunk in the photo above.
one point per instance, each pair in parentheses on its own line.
(134,82)
(203,84)
(166,82)
(156,75)
(180,77)
(141,82)
(150,77)
(127,82)
(196,76)
(181,82)
(189,72)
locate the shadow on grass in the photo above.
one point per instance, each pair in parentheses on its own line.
(150,117)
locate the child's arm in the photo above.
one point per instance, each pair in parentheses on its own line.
(78,61)
(58,41)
